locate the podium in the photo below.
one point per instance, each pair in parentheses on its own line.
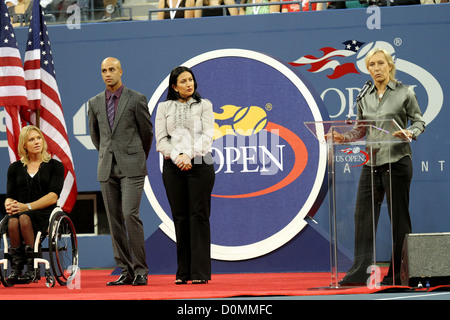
(366,151)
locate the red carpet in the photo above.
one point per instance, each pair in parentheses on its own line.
(92,286)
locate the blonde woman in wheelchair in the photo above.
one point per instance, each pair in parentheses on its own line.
(33,186)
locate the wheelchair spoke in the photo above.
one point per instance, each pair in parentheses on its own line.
(64,249)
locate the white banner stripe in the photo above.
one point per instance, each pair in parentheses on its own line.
(10,52)
(44,76)
(32,74)
(34,94)
(11,71)
(33,55)
(305,60)
(47,103)
(57,137)
(8,91)
(54,109)
(50,80)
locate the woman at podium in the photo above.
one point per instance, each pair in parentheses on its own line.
(386,99)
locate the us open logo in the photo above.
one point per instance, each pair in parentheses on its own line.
(353,155)
(270,170)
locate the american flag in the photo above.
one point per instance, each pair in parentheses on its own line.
(13,93)
(45,101)
(329,60)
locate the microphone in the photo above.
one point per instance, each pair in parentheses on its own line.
(363,91)
(360,95)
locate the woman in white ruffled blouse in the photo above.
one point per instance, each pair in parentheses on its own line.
(184,130)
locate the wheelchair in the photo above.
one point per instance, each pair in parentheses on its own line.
(62,252)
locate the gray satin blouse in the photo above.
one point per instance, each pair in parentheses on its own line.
(398,103)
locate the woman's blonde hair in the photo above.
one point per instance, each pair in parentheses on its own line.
(389,60)
(23,137)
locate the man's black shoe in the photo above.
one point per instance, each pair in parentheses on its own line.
(122,280)
(140,280)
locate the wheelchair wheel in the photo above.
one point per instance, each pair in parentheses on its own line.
(63,248)
(5,263)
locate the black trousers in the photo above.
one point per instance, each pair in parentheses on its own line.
(189,195)
(397,187)
(122,199)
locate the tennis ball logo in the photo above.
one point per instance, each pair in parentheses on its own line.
(245,121)
(249,120)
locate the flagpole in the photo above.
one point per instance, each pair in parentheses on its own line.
(38,118)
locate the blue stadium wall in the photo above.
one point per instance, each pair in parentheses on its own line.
(417,35)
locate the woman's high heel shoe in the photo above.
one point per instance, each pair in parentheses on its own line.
(199,281)
(179,281)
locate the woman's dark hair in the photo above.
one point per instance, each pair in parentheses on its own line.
(171,93)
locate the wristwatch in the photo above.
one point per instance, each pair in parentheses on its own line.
(29,207)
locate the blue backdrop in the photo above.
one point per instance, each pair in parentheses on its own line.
(328,49)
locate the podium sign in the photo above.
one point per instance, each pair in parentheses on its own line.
(366,149)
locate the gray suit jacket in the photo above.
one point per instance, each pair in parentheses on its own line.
(130,138)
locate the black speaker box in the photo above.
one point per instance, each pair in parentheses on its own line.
(426,259)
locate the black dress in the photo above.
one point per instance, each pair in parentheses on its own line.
(25,189)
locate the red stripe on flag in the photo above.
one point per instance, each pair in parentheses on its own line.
(11,62)
(32,64)
(13,128)
(11,81)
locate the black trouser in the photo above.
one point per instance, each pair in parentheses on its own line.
(122,199)
(365,224)
(189,195)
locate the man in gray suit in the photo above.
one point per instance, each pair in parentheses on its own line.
(121,130)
